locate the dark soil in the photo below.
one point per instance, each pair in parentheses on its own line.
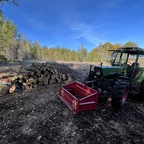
(38,116)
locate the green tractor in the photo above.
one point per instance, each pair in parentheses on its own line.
(124,77)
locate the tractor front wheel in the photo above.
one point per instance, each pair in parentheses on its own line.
(120,93)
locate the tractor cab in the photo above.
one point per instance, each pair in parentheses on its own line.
(130,58)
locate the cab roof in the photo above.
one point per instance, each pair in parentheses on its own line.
(130,50)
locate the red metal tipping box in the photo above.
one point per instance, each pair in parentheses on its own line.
(78,97)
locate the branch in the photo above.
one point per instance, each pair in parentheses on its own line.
(2,2)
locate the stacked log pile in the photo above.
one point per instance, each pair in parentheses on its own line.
(38,75)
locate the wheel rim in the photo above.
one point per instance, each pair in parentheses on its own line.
(125,95)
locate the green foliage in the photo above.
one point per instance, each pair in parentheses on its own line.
(3,58)
(1,19)
(101,53)
(23,48)
(130,44)
(8,34)
(82,53)
(58,53)
(36,51)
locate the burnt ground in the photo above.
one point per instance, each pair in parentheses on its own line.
(38,116)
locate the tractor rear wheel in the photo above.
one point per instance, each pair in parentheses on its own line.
(120,93)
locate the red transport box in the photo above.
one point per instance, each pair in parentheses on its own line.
(78,97)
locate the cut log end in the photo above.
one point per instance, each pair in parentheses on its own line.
(12,89)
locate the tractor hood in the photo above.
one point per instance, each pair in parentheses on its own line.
(109,70)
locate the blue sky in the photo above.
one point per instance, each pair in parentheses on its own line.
(70,23)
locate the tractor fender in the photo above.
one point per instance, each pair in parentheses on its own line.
(137,80)
(139,77)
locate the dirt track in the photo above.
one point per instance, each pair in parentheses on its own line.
(39,116)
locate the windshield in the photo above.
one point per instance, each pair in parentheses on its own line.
(123,58)
(119,59)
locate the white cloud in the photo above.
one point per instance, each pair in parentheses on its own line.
(82,35)
(54,45)
(90,33)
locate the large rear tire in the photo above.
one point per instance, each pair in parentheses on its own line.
(120,93)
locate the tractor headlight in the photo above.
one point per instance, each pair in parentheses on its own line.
(98,73)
